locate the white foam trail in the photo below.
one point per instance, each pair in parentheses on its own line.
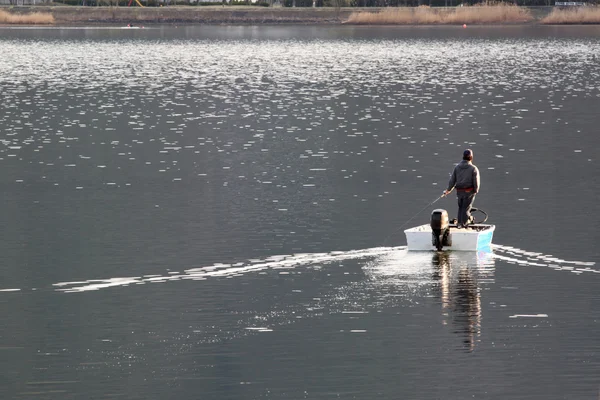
(529,316)
(103,285)
(393,264)
(514,255)
(219,269)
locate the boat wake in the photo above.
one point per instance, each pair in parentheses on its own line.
(402,259)
(513,255)
(409,262)
(228,270)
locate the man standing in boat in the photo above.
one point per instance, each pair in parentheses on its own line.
(465,178)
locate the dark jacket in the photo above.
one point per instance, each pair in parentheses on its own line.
(464,176)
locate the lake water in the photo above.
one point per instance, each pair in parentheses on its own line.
(216,212)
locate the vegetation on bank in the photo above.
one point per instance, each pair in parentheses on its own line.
(578,15)
(164,3)
(292,3)
(36,18)
(502,13)
(234,14)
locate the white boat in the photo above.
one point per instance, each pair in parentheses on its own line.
(477,237)
(442,235)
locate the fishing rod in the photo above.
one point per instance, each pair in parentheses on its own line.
(411,218)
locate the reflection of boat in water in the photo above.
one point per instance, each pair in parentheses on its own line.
(460,292)
(455,279)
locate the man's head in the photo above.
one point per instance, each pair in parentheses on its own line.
(468,155)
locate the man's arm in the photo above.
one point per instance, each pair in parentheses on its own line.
(475,180)
(451,182)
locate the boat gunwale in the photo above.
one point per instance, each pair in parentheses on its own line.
(486,228)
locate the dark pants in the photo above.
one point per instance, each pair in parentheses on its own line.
(465,201)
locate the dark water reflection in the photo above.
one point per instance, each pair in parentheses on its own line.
(454,281)
(180,206)
(461,300)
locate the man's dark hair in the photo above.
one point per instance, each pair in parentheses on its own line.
(468,155)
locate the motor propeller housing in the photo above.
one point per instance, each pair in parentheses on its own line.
(439,219)
(440,227)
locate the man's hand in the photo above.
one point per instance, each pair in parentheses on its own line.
(446,192)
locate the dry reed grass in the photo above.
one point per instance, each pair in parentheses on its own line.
(579,15)
(502,13)
(489,15)
(35,18)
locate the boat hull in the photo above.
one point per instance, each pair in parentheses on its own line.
(477,238)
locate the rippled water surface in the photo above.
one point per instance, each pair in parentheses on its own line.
(217,213)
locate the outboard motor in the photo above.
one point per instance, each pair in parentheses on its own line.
(440,228)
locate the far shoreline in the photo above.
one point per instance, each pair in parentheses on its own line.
(69,16)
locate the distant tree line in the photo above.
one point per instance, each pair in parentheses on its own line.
(411,3)
(158,3)
(414,3)
(303,3)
